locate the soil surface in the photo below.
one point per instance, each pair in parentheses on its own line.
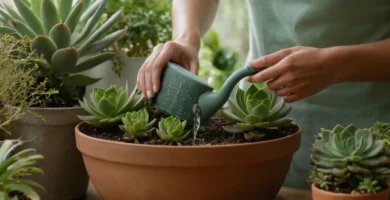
(211,133)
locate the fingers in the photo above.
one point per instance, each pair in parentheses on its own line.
(292,98)
(268,74)
(271,59)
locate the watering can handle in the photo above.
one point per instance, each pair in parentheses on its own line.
(252,71)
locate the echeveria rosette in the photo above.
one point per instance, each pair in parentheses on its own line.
(14,169)
(136,124)
(108,106)
(346,151)
(255,108)
(171,129)
(52,28)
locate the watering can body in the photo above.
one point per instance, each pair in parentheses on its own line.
(181,90)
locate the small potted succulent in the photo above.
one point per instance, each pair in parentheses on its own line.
(146,153)
(67,53)
(351,163)
(149,25)
(14,170)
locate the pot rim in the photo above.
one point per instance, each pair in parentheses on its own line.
(314,188)
(81,134)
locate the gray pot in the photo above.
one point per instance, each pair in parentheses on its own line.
(65,174)
(130,67)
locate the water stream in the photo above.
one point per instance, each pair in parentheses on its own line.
(196,125)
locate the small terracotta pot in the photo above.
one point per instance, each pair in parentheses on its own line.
(319,194)
(143,172)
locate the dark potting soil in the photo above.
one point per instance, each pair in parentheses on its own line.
(211,133)
(20,195)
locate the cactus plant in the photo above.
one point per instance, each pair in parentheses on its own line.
(136,124)
(346,153)
(171,129)
(52,28)
(14,169)
(108,106)
(254,110)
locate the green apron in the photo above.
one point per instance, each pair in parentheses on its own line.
(279,24)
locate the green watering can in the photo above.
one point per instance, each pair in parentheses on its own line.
(181,90)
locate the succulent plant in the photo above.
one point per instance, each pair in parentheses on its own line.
(52,28)
(346,152)
(108,106)
(14,169)
(255,108)
(172,129)
(136,124)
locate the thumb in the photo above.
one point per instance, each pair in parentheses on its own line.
(270,59)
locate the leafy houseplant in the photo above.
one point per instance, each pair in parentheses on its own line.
(349,160)
(67,53)
(14,169)
(167,155)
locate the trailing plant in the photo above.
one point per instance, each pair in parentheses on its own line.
(107,106)
(171,129)
(14,170)
(149,24)
(66,52)
(256,111)
(136,125)
(349,159)
(18,86)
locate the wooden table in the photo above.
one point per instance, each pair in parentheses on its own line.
(284,194)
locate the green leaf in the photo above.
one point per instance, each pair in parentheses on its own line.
(261,94)
(87,106)
(12,12)
(261,110)
(80,80)
(61,35)
(23,29)
(44,45)
(253,119)
(64,8)
(240,99)
(338,129)
(49,15)
(74,16)
(252,89)
(107,107)
(375,149)
(236,109)
(6,30)
(23,188)
(91,22)
(98,33)
(63,60)
(36,7)
(106,41)
(90,10)
(230,117)
(280,122)
(29,17)
(92,62)
(246,127)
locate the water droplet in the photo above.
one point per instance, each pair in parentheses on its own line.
(196,125)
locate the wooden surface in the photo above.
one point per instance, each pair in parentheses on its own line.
(284,194)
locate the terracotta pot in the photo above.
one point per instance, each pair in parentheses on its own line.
(65,176)
(143,172)
(319,194)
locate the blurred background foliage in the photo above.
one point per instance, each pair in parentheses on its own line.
(224,47)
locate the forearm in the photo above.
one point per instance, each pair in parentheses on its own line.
(362,63)
(191,19)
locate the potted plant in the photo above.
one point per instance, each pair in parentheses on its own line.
(149,25)
(14,170)
(67,53)
(351,163)
(145,153)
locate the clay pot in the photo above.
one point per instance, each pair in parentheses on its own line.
(143,172)
(65,176)
(319,194)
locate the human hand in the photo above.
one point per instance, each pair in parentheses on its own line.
(297,72)
(183,53)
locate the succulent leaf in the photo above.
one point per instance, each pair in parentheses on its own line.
(61,35)
(80,80)
(63,60)
(106,41)
(23,29)
(49,15)
(172,129)
(29,17)
(44,45)
(90,11)
(36,7)
(91,62)
(64,8)
(74,16)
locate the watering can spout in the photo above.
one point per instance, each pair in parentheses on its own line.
(210,102)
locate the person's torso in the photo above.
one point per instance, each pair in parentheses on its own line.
(279,24)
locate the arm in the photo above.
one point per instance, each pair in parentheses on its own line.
(190,20)
(299,72)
